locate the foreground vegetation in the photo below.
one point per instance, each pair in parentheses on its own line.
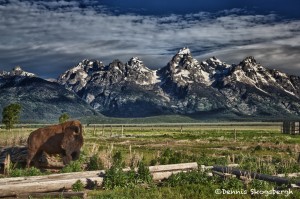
(258,148)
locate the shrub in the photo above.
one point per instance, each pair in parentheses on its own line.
(232,184)
(143,173)
(192,177)
(116,177)
(95,163)
(74,166)
(78,186)
(32,171)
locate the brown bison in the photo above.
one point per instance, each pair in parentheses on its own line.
(65,139)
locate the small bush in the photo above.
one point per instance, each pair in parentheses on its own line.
(78,186)
(116,177)
(143,174)
(192,177)
(260,185)
(118,159)
(170,156)
(95,163)
(32,171)
(74,166)
(232,184)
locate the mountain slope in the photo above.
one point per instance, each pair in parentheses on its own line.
(41,101)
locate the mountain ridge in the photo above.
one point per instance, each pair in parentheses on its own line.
(185,86)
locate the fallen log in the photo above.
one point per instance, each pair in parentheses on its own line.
(253,175)
(62,194)
(173,167)
(26,179)
(46,186)
(289,175)
(13,187)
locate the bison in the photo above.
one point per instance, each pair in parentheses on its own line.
(65,139)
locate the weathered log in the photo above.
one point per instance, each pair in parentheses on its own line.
(253,175)
(46,186)
(173,167)
(49,183)
(204,168)
(62,194)
(289,175)
(61,176)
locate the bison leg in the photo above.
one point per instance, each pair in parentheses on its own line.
(33,156)
(30,156)
(67,158)
(75,155)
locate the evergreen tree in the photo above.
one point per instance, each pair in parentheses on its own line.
(63,118)
(10,115)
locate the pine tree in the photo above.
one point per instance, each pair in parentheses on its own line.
(63,118)
(10,115)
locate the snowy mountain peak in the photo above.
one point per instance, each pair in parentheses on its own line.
(136,64)
(184,51)
(77,77)
(18,71)
(249,59)
(135,61)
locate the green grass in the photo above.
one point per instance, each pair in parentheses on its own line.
(258,147)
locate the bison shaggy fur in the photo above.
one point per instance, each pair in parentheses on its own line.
(65,139)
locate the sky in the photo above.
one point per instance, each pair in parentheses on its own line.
(49,37)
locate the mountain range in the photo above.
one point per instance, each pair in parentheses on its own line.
(184,86)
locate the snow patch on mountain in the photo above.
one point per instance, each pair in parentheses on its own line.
(17,71)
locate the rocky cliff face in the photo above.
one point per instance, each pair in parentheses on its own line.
(184,86)
(121,90)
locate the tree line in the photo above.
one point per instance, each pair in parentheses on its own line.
(11,115)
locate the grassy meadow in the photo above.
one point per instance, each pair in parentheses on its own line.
(256,147)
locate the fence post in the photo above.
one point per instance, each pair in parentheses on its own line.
(235,135)
(103,130)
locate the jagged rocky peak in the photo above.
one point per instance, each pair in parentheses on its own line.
(135,61)
(89,65)
(116,67)
(3,73)
(78,76)
(183,60)
(18,71)
(184,51)
(137,72)
(183,69)
(214,66)
(249,60)
(250,64)
(213,62)
(137,64)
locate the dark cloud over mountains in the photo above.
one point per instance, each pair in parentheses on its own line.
(46,38)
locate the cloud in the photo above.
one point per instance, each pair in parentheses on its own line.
(49,37)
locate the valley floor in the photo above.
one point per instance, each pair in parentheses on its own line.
(256,147)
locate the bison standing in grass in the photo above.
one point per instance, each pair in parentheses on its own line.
(65,139)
